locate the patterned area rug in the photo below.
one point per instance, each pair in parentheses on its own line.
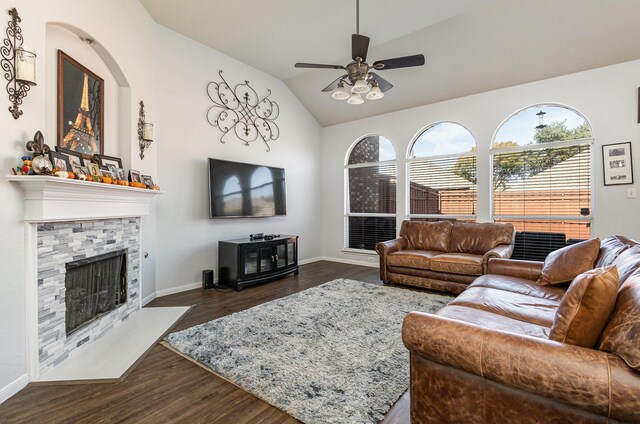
(329,354)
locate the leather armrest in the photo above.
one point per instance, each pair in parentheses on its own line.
(500,251)
(529,270)
(570,374)
(387,247)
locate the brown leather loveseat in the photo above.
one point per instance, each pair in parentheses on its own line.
(516,347)
(443,255)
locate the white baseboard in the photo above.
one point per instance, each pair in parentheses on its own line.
(148,299)
(310,260)
(13,387)
(174,290)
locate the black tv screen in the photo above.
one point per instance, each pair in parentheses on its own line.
(245,190)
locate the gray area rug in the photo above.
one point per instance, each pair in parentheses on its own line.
(329,354)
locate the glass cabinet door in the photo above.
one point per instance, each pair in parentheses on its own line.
(281,255)
(266,259)
(291,252)
(249,260)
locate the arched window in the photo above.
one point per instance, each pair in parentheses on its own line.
(370,174)
(442,173)
(541,174)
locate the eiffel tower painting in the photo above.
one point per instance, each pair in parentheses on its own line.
(80,107)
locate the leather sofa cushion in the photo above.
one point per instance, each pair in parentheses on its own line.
(493,321)
(622,333)
(457,263)
(611,248)
(427,235)
(563,265)
(586,307)
(512,305)
(411,258)
(519,285)
(627,263)
(479,238)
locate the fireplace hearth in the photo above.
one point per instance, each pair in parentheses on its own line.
(94,287)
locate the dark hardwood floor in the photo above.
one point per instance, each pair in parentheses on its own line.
(166,388)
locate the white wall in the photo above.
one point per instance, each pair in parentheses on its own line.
(608,98)
(188,239)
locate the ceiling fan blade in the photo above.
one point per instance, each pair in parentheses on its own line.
(399,62)
(359,46)
(318,66)
(334,84)
(382,83)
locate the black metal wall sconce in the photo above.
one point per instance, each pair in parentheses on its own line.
(18,64)
(145,131)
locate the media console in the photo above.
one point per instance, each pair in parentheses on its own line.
(243,262)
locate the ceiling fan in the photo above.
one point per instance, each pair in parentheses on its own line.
(359,76)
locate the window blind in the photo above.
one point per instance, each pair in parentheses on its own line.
(372,189)
(365,231)
(445,186)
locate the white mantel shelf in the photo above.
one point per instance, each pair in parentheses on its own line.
(58,199)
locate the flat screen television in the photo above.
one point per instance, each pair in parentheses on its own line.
(240,190)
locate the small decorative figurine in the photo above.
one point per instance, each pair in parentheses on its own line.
(40,163)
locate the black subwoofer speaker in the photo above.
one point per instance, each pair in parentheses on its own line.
(207,279)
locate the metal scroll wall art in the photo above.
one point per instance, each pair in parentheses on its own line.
(239,112)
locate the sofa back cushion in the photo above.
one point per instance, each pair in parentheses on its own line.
(628,262)
(427,235)
(611,248)
(563,265)
(478,238)
(586,307)
(622,334)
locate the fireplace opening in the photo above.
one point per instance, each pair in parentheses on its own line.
(94,286)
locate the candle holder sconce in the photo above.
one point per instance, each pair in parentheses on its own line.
(18,64)
(145,131)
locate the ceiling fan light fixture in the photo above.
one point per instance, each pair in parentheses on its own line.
(375,93)
(340,93)
(355,99)
(360,87)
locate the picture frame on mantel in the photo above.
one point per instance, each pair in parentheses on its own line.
(80,108)
(617,164)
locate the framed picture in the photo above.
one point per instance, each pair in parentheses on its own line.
(75,158)
(107,161)
(134,176)
(111,169)
(147,180)
(616,161)
(80,108)
(80,170)
(60,161)
(94,169)
(121,174)
(105,173)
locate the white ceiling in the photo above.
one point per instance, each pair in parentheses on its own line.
(471,46)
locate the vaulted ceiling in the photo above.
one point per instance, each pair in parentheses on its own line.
(471,46)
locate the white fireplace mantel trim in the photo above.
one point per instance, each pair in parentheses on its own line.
(50,199)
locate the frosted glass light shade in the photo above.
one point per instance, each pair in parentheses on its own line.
(25,66)
(360,87)
(375,93)
(340,93)
(355,99)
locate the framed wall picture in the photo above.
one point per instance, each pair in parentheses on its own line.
(75,158)
(616,161)
(60,161)
(80,108)
(94,169)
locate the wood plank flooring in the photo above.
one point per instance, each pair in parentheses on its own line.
(166,388)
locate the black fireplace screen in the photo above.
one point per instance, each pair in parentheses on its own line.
(94,286)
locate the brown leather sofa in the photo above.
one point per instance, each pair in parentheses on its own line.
(487,357)
(443,255)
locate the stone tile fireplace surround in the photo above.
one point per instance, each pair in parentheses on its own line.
(59,243)
(68,220)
